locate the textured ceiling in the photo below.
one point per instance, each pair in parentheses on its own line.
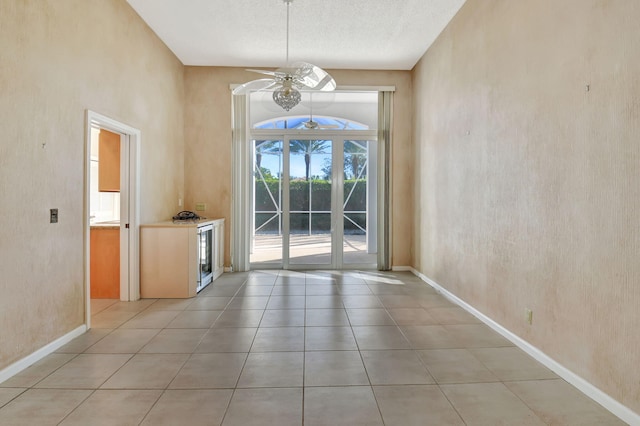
(342,34)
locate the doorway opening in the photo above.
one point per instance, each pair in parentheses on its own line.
(314,203)
(111,213)
(104,216)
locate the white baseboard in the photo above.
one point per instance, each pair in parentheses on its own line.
(402,269)
(618,409)
(36,356)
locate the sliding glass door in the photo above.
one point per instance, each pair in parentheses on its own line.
(359,205)
(310,203)
(313,203)
(267,198)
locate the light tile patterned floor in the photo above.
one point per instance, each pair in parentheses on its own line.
(292,348)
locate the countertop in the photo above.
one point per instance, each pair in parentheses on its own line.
(182,224)
(105,225)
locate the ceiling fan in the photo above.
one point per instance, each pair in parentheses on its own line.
(314,124)
(288,81)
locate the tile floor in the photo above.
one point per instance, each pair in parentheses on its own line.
(291,348)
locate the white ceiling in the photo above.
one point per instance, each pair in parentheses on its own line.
(340,34)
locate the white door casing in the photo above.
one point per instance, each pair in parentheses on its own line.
(129,207)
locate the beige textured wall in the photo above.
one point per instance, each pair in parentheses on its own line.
(528,184)
(208,145)
(57,59)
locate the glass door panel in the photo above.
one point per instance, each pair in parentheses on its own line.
(310,201)
(266,242)
(359,244)
(314,203)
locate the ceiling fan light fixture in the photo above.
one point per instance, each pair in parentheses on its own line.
(311,124)
(287,97)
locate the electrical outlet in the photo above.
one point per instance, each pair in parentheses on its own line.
(529,316)
(200,207)
(53,215)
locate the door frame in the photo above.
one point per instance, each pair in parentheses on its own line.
(336,193)
(241,136)
(337,138)
(129,203)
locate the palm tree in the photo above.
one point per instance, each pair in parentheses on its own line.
(263,147)
(307,148)
(356,151)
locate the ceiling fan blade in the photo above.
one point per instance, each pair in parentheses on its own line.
(303,68)
(267,72)
(286,70)
(313,77)
(327,84)
(255,85)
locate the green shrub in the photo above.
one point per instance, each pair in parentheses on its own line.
(320,201)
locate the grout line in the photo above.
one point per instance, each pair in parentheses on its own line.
(152,406)
(77,406)
(304,349)
(257,328)
(451,403)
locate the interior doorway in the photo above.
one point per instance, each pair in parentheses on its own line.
(104,214)
(111,212)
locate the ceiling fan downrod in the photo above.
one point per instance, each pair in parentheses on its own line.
(287,82)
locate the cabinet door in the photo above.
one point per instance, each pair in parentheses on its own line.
(168,262)
(105,263)
(109,162)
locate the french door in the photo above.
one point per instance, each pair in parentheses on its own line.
(314,202)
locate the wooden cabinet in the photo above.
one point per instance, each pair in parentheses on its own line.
(169,258)
(108,161)
(105,262)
